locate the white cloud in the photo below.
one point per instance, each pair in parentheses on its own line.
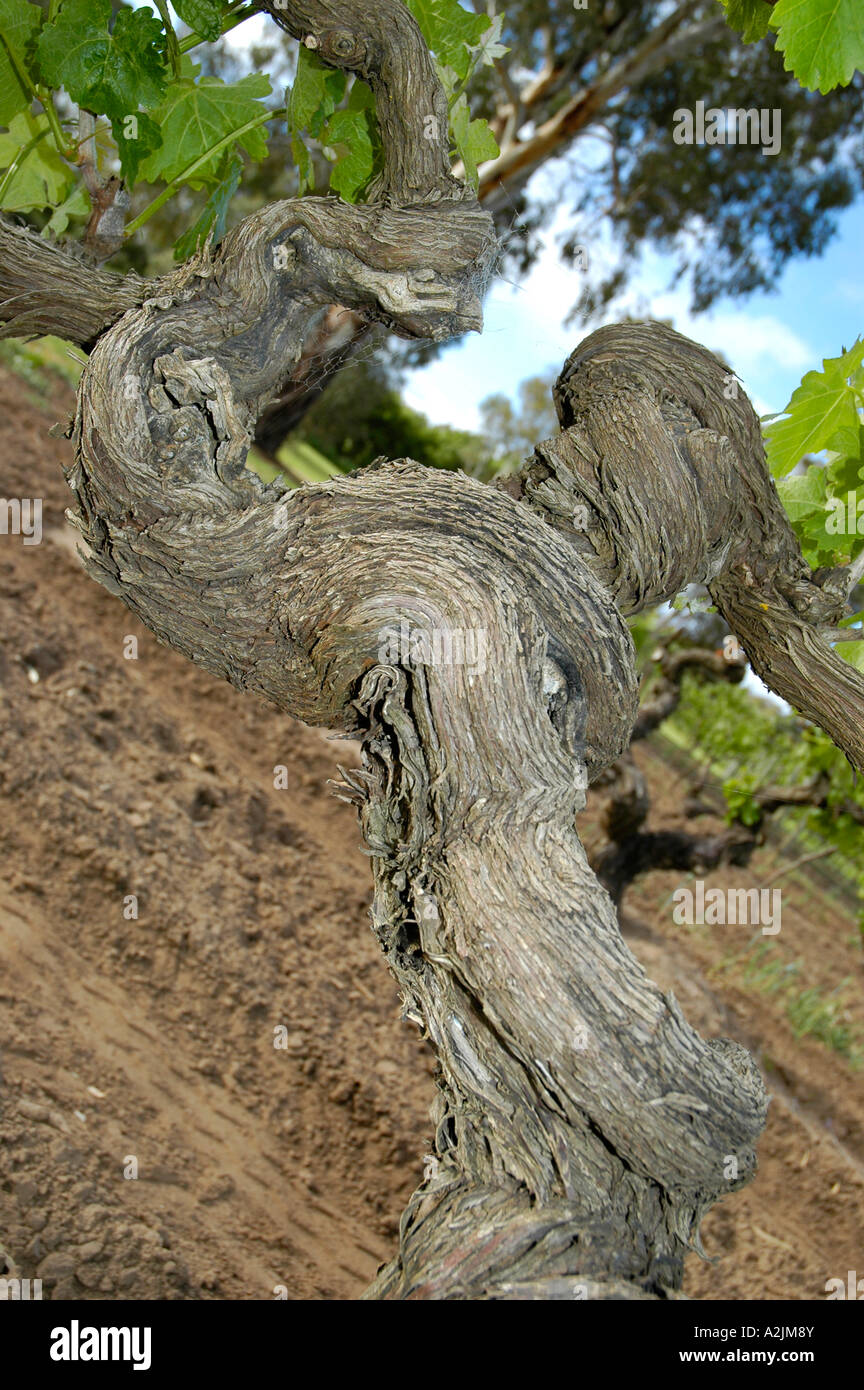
(752,343)
(254,30)
(438,391)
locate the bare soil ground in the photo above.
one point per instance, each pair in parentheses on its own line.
(146,1044)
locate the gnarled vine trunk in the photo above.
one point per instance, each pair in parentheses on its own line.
(582,1127)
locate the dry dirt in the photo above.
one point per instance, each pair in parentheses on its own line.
(147,1043)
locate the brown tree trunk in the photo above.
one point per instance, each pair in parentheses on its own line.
(582,1127)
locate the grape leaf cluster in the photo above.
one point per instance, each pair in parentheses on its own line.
(162,120)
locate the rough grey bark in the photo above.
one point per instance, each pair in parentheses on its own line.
(582,1127)
(45,288)
(659,479)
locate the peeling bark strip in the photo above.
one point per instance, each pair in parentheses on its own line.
(45,288)
(582,1127)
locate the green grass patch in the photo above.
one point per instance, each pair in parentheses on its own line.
(810,1012)
(300,463)
(36,361)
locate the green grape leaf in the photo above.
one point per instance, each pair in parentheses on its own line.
(347,132)
(316,92)
(204,17)
(805,500)
(822,43)
(136,137)
(212,220)
(740,803)
(361,97)
(490,46)
(844,471)
(450,31)
(803,496)
(195,115)
(853,652)
(749,18)
(450,81)
(112,73)
(823,410)
(844,504)
(305,172)
(76,205)
(43,179)
(844,440)
(843,517)
(19,24)
(473,139)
